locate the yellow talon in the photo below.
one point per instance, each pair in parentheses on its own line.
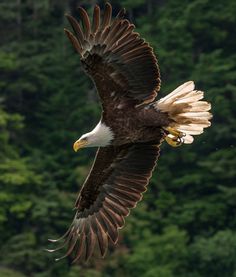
(174,137)
(174,132)
(173,141)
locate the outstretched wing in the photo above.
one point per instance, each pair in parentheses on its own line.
(115,56)
(115,184)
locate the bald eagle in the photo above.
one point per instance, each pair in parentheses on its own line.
(132,127)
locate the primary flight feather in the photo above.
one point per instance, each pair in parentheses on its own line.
(133,124)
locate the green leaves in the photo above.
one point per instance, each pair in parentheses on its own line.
(211,255)
(159,254)
(185,225)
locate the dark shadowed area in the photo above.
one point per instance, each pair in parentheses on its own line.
(186,224)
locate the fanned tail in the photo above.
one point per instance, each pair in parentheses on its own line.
(190,115)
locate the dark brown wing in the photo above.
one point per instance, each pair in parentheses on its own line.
(115,56)
(115,184)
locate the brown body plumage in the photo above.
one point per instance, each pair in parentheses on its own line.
(132,126)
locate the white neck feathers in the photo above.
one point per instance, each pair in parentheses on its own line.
(101,135)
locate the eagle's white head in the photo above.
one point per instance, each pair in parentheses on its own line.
(100,136)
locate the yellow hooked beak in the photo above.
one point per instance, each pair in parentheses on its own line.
(79,144)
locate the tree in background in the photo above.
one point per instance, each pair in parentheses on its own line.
(186,224)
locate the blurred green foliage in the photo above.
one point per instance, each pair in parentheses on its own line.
(186,224)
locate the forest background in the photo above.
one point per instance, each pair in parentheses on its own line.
(186,224)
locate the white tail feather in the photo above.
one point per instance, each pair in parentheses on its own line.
(186,87)
(189,114)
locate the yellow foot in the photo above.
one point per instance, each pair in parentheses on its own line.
(174,132)
(174,137)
